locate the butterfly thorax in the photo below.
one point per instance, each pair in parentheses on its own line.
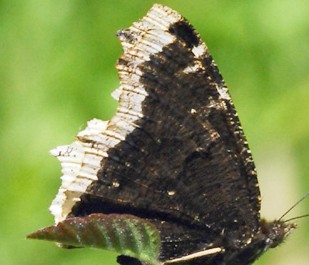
(275,232)
(270,235)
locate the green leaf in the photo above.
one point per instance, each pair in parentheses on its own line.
(126,234)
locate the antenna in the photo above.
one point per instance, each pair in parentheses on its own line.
(293,206)
(294,218)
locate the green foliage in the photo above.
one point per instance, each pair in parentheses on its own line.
(57,71)
(125,234)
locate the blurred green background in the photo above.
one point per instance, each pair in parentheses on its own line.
(57,72)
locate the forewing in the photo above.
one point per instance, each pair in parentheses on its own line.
(174,150)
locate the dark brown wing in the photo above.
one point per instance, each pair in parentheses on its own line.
(187,157)
(174,151)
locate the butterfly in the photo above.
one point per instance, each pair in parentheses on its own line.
(173,160)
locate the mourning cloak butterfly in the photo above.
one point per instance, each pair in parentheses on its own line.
(173,155)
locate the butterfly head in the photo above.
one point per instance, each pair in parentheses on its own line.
(276,231)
